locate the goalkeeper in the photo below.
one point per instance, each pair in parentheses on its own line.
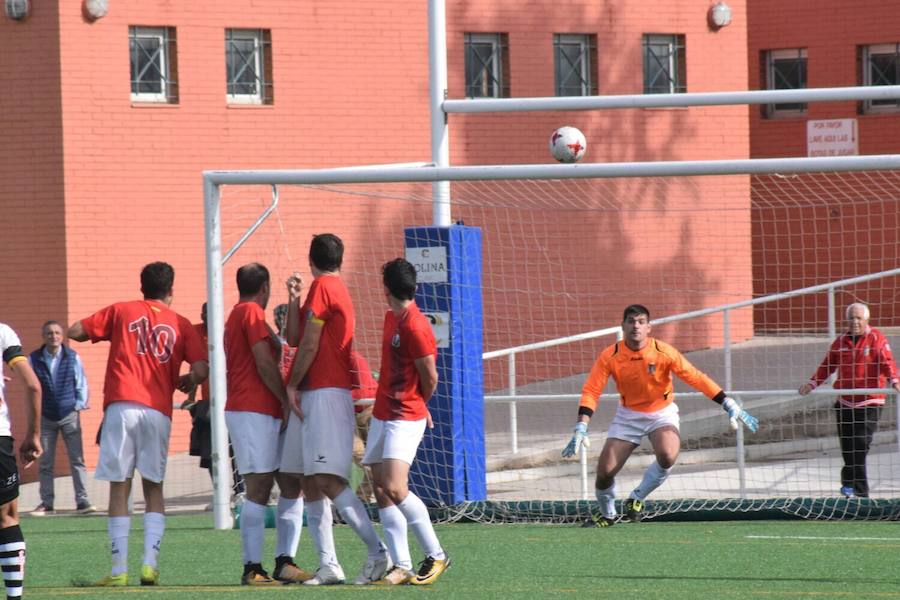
(642,368)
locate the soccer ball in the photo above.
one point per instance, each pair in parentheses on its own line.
(567,144)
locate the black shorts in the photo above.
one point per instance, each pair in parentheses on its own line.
(9,471)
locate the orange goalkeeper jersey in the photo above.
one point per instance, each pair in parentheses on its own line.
(643,378)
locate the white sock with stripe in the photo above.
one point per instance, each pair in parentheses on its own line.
(12,560)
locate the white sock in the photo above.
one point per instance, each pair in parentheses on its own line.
(118,528)
(607,500)
(12,558)
(393,523)
(417,516)
(253,522)
(154,528)
(289,525)
(654,477)
(354,513)
(319,521)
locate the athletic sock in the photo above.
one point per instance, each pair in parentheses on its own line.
(154,528)
(393,524)
(654,477)
(253,520)
(354,514)
(417,516)
(118,528)
(288,525)
(12,560)
(607,499)
(320,524)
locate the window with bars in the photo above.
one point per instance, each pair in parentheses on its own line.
(575,58)
(487,65)
(665,67)
(880,65)
(154,65)
(785,70)
(248,66)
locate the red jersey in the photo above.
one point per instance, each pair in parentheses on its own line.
(864,362)
(406,338)
(246,326)
(328,303)
(149,341)
(364,385)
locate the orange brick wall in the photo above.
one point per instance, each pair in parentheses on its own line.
(798,247)
(351,87)
(32,198)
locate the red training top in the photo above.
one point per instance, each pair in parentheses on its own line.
(246,326)
(148,343)
(406,338)
(864,362)
(328,303)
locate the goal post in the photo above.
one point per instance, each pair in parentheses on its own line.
(550,270)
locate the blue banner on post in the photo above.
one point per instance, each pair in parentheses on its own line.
(450,466)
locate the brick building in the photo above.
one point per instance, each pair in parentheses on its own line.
(109,122)
(841,226)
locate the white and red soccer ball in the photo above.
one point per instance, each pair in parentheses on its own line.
(567,144)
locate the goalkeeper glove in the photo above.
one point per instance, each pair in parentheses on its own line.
(735,412)
(579,439)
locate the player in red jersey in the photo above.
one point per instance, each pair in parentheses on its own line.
(319,391)
(255,413)
(148,343)
(408,379)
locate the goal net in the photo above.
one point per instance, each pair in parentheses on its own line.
(561,258)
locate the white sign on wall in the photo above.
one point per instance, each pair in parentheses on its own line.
(832,137)
(430,263)
(440,325)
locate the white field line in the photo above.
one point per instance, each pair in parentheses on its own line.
(825,538)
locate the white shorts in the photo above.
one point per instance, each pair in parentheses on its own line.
(328,426)
(292,446)
(133,436)
(256,439)
(393,439)
(632,426)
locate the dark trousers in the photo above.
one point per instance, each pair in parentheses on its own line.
(856,428)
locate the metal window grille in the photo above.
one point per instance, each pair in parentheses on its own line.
(487,66)
(785,70)
(665,67)
(248,66)
(154,70)
(575,58)
(881,66)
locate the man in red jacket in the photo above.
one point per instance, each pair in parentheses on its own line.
(862,358)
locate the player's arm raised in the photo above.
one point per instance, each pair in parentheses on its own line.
(292,321)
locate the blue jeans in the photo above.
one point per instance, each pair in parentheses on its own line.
(70,428)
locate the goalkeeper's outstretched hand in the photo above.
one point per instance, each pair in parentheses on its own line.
(579,439)
(736,413)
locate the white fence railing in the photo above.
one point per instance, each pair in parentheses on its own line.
(512,398)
